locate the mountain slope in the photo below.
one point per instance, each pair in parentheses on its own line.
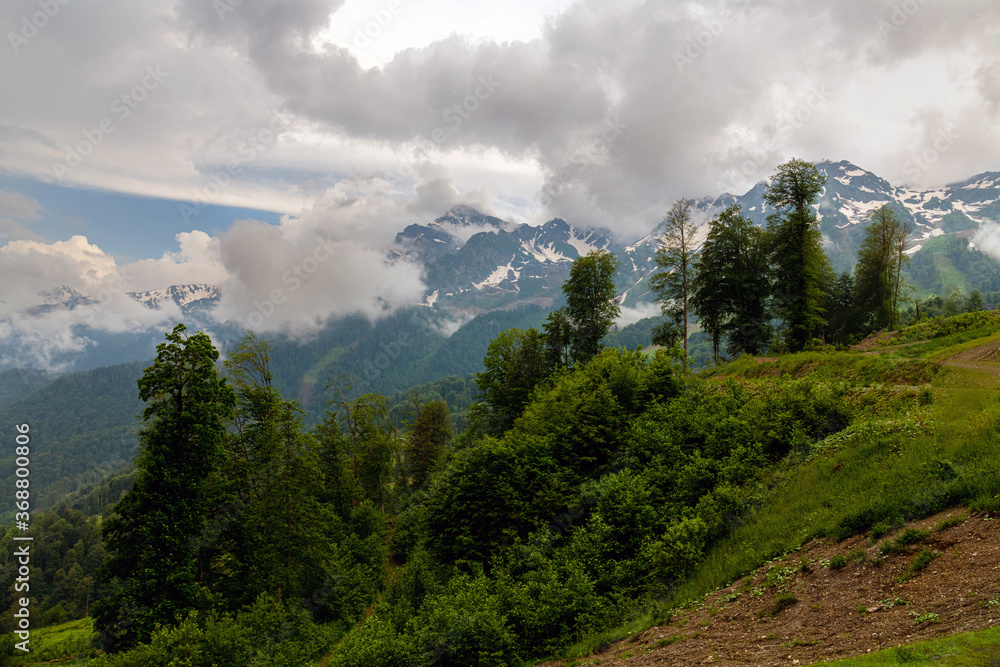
(836,613)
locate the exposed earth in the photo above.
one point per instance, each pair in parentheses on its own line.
(859,608)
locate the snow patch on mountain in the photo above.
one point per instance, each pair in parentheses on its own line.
(500,274)
(583,244)
(546,253)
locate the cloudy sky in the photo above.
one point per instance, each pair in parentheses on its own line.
(224,141)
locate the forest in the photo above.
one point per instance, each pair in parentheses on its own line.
(581,488)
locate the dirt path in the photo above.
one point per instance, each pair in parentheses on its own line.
(985,357)
(839,613)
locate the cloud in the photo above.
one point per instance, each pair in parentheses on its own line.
(987,239)
(605,117)
(197,261)
(632,314)
(607,114)
(292,277)
(38,277)
(329,262)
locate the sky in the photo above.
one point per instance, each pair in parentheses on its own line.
(226,141)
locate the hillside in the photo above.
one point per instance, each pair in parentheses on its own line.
(865,544)
(800,609)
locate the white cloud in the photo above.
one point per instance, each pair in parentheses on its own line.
(632,314)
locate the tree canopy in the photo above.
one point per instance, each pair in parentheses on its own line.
(151,539)
(801,270)
(673,283)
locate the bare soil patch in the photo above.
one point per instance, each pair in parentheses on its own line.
(856,609)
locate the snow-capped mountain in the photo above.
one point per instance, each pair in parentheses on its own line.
(447,234)
(61,297)
(475,262)
(521,263)
(191,298)
(188,297)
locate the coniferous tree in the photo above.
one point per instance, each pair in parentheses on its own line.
(672,284)
(151,539)
(801,269)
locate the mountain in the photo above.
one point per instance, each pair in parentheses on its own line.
(503,268)
(476,263)
(447,234)
(61,297)
(190,298)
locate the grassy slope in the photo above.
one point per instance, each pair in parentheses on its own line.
(67,645)
(969,648)
(898,460)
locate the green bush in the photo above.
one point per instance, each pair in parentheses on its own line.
(265,633)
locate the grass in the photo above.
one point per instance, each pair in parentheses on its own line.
(970,648)
(832,494)
(598,641)
(952,280)
(65,644)
(903,457)
(830,365)
(923,559)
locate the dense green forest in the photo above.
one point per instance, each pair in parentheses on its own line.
(586,483)
(89,422)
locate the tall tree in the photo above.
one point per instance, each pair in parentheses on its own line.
(675,258)
(368,438)
(732,284)
(878,271)
(273,471)
(151,539)
(802,273)
(558,337)
(900,286)
(515,362)
(590,301)
(842,311)
(427,438)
